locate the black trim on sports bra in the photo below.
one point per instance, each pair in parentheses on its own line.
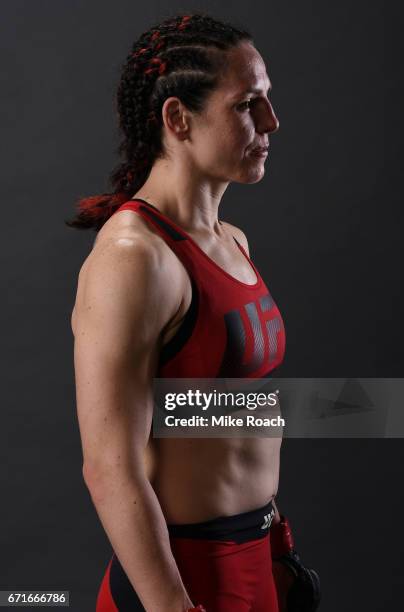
(158,220)
(184,332)
(145,201)
(170,230)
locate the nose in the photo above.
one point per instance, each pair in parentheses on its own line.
(267,120)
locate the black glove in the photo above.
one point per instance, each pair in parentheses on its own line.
(304,595)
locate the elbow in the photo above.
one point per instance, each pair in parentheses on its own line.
(89,474)
(95,480)
(96,485)
(102,480)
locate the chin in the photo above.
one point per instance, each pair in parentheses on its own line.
(252,176)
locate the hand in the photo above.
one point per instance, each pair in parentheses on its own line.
(284,579)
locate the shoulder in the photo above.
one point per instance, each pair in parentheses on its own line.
(238,234)
(127,237)
(122,253)
(129,275)
(127,228)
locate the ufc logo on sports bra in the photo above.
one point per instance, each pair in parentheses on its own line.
(250,329)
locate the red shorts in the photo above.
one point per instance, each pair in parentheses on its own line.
(225,564)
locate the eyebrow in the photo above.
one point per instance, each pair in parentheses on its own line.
(249,91)
(252,90)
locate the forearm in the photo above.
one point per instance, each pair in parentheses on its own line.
(133,520)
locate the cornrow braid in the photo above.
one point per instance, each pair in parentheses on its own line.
(183,57)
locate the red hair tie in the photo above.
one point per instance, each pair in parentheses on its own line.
(160,44)
(156,60)
(140,51)
(184,22)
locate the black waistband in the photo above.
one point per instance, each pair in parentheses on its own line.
(236,528)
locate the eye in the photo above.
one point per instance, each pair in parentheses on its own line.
(244,105)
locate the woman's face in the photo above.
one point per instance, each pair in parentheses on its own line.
(237,118)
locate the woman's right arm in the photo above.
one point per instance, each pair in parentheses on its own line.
(125,299)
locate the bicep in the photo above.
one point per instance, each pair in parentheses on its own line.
(118,321)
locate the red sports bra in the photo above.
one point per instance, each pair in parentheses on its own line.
(231,329)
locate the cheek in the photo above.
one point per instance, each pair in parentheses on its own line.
(224,140)
(236,134)
(242,129)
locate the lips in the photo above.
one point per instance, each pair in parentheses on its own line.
(260,150)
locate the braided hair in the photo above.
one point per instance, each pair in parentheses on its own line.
(183,56)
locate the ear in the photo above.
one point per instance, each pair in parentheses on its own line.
(176,118)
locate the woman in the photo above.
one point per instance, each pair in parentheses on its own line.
(163,293)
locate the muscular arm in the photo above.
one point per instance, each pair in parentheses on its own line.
(126,298)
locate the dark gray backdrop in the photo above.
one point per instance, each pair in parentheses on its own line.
(324,227)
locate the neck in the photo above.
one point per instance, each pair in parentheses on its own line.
(190,200)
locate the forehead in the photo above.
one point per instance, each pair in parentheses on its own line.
(246,71)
